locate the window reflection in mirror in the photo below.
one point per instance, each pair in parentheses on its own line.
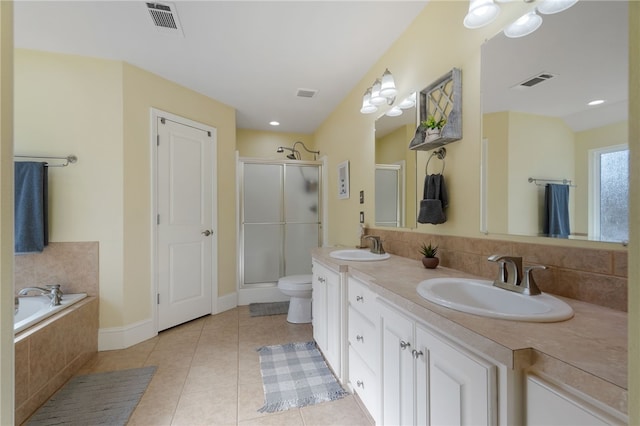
(395,176)
(547,131)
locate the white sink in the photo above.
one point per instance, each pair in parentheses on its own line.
(480,297)
(358,255)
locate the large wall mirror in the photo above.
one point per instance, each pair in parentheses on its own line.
(540,135)
(395,176)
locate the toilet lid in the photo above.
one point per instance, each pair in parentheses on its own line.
(295,279)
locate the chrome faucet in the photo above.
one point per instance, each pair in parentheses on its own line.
(376,244)
(53,292)
(511,276)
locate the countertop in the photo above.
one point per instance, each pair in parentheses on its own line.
(587,352)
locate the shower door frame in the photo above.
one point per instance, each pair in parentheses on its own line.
(267,291)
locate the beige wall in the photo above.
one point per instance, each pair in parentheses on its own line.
(7,377)
(260,144)
(634,213)
(495,130)
(99,110)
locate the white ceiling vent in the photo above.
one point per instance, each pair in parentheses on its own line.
(306,93)
(165,18)
(535,80)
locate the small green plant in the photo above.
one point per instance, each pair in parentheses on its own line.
(428,250)
(432,123)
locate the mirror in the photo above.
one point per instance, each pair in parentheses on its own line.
(395,176)
(539,130)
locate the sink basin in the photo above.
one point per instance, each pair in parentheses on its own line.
(480,297)
(358,255)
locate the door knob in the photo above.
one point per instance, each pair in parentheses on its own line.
(206,232)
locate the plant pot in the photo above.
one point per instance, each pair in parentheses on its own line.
(432,134)
(430,262)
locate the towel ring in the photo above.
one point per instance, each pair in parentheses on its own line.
(441,153)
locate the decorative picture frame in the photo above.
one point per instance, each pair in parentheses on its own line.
(343,180)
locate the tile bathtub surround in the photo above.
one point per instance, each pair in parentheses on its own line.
(74,265)
(596,276)
(51,352)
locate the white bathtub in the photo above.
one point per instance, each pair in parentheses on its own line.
(34,309)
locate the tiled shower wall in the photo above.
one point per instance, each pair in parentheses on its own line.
(597,276)
(72,265)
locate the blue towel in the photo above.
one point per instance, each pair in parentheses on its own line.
(31,224)
(556,208)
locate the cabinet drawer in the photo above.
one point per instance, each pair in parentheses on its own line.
(362,299)
(363,337)
(365,383)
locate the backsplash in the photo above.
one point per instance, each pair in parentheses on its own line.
(597,276)
(73,265)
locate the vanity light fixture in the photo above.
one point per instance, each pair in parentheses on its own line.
(394,112)
(408,102)
(524,25)
(383,91)
(483,12)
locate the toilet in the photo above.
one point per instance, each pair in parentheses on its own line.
(298,287)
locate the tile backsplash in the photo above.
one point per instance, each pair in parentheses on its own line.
(597,276)
(73,265)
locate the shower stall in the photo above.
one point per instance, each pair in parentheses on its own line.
(279,220)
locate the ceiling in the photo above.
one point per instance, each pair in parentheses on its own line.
(251,55)
(585,48)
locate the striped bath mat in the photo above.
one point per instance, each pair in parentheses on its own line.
(95,399)
(296,375)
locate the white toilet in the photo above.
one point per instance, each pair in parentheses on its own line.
(298,287)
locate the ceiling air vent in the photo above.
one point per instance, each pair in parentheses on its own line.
(306,93)
(165,18)
(533,81)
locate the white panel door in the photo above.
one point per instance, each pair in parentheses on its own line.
(185,223)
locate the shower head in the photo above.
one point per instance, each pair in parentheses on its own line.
(291,156)
(280,149)
(295,155)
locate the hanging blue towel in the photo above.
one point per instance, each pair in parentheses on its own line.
(31,224)
(556,208)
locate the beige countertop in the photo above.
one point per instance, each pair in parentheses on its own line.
(587,352)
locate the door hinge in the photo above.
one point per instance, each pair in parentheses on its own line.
(158,220)
(158,298)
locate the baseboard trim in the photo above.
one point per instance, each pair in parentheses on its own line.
(226,302)
(126,336)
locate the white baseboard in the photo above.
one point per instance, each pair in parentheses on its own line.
(126,336)
(226,302)
(260,295)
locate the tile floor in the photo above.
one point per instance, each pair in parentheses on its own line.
(209,374)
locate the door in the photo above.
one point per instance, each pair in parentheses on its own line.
(185,230)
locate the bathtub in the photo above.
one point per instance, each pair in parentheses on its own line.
(33,309)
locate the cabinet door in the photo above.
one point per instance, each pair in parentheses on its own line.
(457,388)
(319,307)
(334,320)
(398,397)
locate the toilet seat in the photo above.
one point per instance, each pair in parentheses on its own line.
(295,282)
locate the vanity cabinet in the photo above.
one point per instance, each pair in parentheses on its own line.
(364,345)
(427,380)
(550,405)
(327,315)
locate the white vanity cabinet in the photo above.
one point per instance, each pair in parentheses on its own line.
(427,380)
(364,345)
(327,315)
(550,405)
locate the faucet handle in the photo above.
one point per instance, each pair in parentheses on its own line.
(528,283)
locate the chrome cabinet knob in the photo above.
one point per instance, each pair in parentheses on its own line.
(207,232)
(404,345)
(360,338)
(360,384)
(416,354)
(359,299)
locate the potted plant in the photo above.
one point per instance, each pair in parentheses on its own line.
(429,252)
(433,127)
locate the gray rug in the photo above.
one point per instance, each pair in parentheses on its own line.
(96,399)
(264,309)
(295,375)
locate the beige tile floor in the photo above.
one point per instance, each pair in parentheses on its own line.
(209,374)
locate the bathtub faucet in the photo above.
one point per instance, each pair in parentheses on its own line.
(53,292)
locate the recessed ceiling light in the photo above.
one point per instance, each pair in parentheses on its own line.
(274,123)
(596,102)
